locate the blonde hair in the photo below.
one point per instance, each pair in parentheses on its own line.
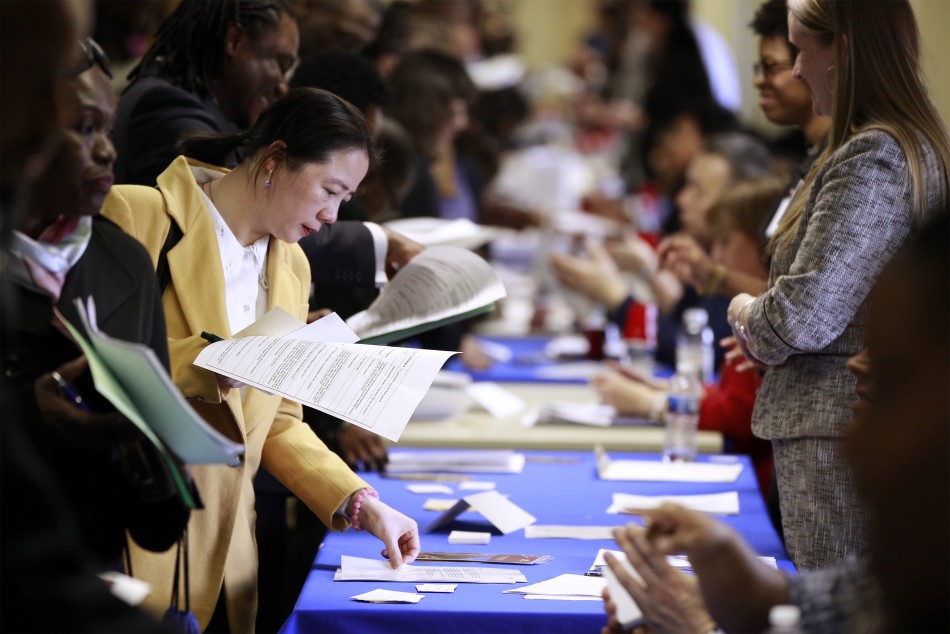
(885,91)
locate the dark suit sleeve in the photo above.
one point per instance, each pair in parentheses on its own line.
(152,117)
(341,254)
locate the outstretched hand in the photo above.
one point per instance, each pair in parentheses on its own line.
(399,534)
(670,600)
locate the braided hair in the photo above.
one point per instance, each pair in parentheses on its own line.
(190,43)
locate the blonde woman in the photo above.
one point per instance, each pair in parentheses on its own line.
(885,169)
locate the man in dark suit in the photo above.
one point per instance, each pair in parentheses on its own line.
(215,67)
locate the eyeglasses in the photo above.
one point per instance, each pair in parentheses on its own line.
(769,69)
(92,55)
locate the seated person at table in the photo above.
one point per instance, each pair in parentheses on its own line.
(726,159)
(726,407)
(899,447)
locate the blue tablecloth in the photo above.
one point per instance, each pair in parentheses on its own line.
(527,364)
(557,488)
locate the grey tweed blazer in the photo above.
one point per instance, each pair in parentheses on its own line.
(813,316)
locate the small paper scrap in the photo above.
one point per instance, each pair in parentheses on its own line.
(388,596)
(437,587)
(469,537)
(429,488)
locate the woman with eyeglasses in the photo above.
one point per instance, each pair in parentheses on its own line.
(64,250)
(885,169)
(236,258)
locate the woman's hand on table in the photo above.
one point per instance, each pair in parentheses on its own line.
(400,534)
(670,600)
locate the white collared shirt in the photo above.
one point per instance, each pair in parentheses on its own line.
(245,268)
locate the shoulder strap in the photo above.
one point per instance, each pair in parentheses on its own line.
(161,267)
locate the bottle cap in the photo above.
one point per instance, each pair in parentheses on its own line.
(695,319)
(784,615)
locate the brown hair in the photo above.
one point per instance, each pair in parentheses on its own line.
(745,205)
(885,91)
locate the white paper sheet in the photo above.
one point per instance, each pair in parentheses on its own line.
(429,488)
(495,399)
(552,531)
(469,537)
(443,588)
(476,485)
(720,503)
(432,232)
(373,387)
(593,414)
(566,584)
(362,569)
(388,596)
(628,612)
(503,514)
(656,471)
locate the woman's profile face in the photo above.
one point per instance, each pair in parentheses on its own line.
(302,200)
(80,174)
(815,64)
(706,177)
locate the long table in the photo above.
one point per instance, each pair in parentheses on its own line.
(476,428)
(557,488)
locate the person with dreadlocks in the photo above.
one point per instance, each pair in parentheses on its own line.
(214,67)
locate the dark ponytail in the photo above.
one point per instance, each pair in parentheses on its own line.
(312,123)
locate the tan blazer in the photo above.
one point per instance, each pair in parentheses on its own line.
(221,536)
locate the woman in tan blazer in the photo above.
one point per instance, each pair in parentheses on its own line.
(306,154)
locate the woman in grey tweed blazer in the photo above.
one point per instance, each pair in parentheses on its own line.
(884,170)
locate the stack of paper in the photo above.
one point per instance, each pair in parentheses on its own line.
(594,414)
(564,587)
(361,569)
(719,503)
(461,461)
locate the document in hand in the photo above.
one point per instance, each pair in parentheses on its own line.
(439,286)
(656,471)
(373,387)
(135,382)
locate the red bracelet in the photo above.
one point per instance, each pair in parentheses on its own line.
(357,502)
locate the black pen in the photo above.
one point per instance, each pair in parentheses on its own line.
(210,337)
(70,392)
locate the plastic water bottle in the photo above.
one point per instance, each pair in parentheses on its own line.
(785,619)
(694,344)
(682,414)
